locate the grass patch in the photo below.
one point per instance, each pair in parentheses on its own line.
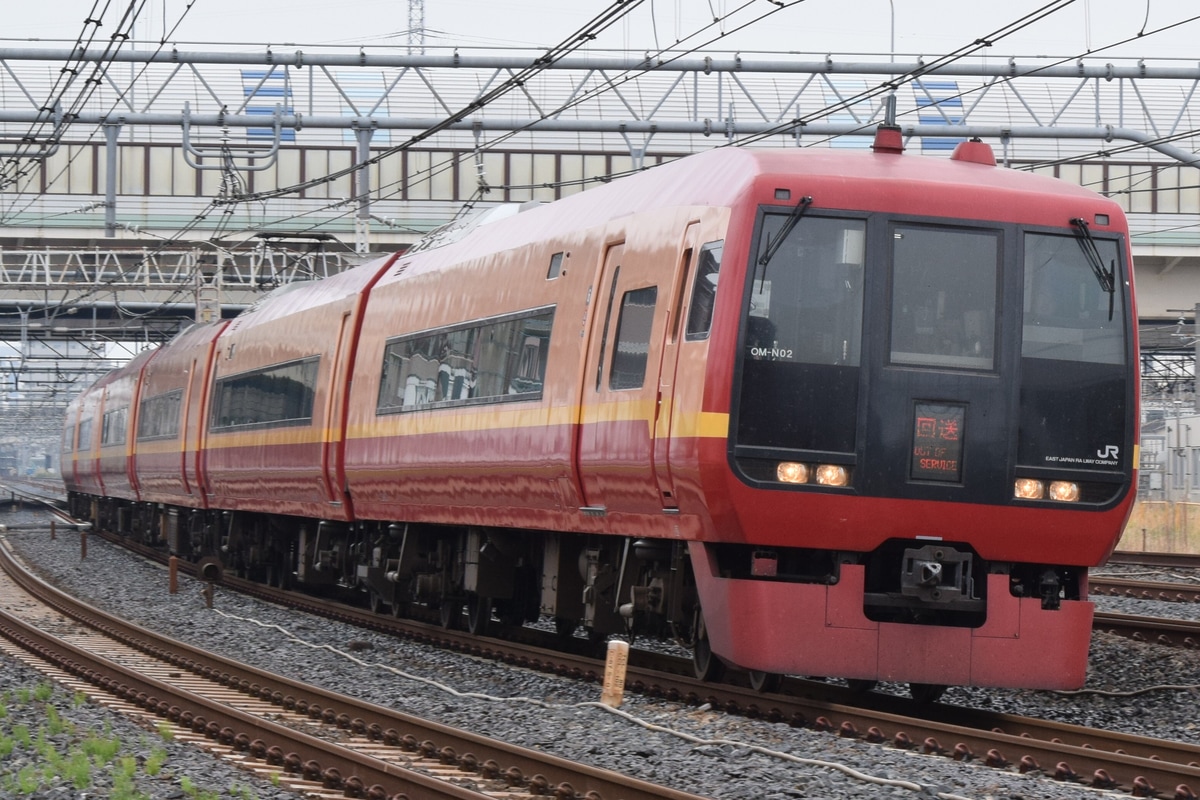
(81,758)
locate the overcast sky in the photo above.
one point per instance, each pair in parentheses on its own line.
(930,27)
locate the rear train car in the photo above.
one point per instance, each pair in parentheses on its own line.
(864,415)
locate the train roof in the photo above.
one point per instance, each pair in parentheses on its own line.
(303,295)
(964,187)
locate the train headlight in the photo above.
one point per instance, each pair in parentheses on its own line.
(833,475)
(1029,489)
(1064,491)
(791,472)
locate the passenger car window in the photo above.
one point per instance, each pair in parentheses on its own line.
(704,291)
(159,415)
(278,395)
(481,362)
(115,422)
(632,350)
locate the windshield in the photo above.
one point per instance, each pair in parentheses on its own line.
(944,296)
(806,304)
(803,339)
(1066,307)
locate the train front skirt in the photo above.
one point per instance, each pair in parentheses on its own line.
(817,629)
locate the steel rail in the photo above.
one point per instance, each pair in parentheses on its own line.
(1151,559)
(1162,591)
(1175,632)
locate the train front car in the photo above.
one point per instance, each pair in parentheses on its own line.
(933,421)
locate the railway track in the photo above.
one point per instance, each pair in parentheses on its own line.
(318,741)
(1142,766)
(1161,591)
(1151,559)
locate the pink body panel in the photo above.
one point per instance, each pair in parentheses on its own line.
(813,629)
(168,465)
(290,468)
(118,421)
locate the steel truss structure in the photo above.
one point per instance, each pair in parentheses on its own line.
(236,112)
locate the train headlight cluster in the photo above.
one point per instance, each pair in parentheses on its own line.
(1033,489)
(822,474)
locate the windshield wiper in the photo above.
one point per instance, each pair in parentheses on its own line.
(1106,277)
(773,245)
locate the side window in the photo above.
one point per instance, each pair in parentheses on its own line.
(628,370)
(704,291)
(279,395)
(481,362)
(113,428)
(84,442)
(158,417)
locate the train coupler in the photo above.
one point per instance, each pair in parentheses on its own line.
(937,574)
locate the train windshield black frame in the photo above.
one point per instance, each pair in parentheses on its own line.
(1075,387)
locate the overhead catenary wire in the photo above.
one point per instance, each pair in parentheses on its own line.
(99,69)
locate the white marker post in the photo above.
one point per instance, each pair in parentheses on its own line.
(615,664)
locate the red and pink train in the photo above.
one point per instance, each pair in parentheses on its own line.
(866,415)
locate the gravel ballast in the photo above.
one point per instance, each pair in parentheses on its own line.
(696,750)
(54,744)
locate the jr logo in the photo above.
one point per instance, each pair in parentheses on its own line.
(1109,451)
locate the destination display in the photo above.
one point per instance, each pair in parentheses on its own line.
(937,442)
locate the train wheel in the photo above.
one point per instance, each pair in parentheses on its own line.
(374,602)
(861,685)
(767,682)
(926,692)
(707,666)
(479,613)
(450,612)
(565,627)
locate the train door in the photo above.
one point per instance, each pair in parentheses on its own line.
(939,404)
(189,450)
(619,397)
(670,363)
